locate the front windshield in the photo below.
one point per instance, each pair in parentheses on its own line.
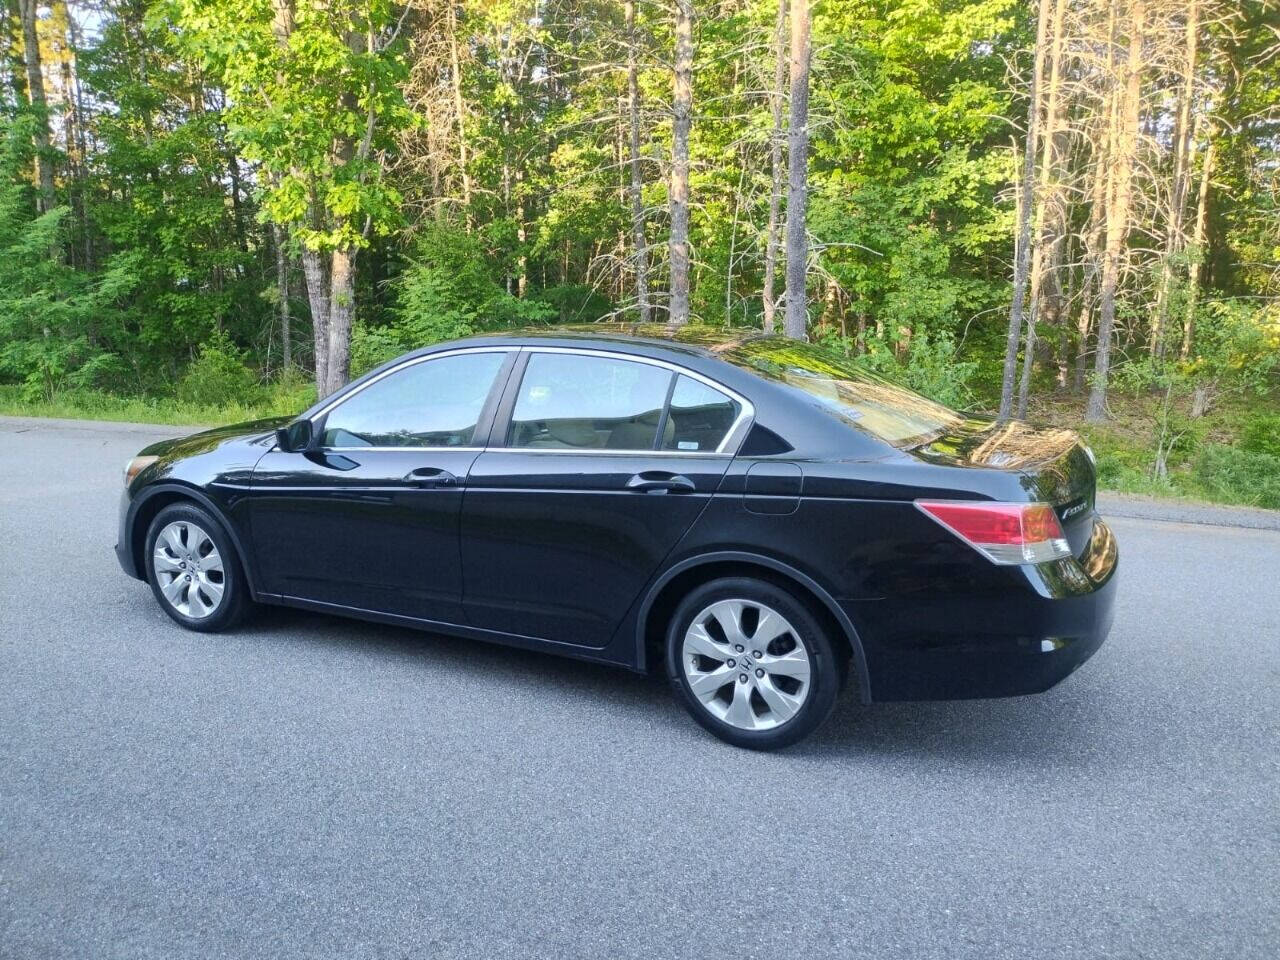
(835,384)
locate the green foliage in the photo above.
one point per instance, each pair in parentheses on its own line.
(278,399)
(201,125)
(906,207)
(928,365)
(1261,434)
(1239,476)
(309,109)
(1121,463)
(373,346)
(1237,346)
(47,309)
(574,303)
(218,376)
(448,290)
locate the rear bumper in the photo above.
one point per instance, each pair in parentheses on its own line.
(1020,634)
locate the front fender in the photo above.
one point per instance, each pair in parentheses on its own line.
(136,514)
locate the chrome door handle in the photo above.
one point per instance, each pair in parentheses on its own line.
(658,481)
(431,477)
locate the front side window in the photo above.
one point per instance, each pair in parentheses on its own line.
(434,403)
(700,417)
(577,401)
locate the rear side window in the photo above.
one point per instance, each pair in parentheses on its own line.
(434,403)
(700,417)
(576,401)
(835,384)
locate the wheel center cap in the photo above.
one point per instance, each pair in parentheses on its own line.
(745,661)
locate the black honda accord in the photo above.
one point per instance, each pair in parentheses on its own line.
(756,516)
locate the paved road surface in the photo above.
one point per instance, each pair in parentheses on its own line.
(312,787)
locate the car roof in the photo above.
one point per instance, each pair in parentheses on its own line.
(703,341)
(718,353)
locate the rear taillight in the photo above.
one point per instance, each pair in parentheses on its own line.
(1003,532)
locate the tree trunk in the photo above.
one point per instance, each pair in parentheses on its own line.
(1044,293)
(455,78)
(11,37)
(1174,238)
(682,123)
(1026,203)
(636,187)
(1099,192)
(342,310)
(40,140)
(522,261)
(1126,143)
(733,239)
(1198,240)
(776,98)
(73,131)
(316,272)
(282,288)
(796,322)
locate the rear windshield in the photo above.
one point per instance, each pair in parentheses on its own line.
(835,384)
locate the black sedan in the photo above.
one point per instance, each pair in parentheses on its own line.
(756,516)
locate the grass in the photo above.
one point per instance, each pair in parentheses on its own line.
(1209,463)
(1217,458)
(94,405)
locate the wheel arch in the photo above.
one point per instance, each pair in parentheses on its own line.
(155,498)
(665,593)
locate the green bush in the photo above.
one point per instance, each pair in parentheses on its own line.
(373,346)
(576,303)
(218,376)
(1260,433)
(931,366)
(447,291)
(1122,465)
(292,393)
(1240,476)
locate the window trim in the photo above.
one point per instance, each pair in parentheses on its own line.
(484,422)
(728,446)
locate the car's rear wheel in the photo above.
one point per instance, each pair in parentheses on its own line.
(193,569)
(751,664)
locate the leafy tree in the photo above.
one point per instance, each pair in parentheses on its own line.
(315,98)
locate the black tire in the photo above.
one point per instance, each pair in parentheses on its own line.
(235,601)
(827,663)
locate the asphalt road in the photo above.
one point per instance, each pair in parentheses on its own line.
(313,787)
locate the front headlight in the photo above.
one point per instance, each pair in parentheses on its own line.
(136,466)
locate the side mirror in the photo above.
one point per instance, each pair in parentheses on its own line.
(294,437)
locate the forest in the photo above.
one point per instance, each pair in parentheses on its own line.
(1062,210)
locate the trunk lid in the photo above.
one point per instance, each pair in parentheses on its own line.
(1055,464)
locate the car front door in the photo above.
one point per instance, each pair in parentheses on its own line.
(367,518)
(602,462)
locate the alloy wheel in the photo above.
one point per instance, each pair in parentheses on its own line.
(746,665)
(189,569)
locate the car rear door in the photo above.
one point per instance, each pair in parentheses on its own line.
(368,518)
(598,465)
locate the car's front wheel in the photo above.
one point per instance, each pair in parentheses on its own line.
(751,664)
(193,569)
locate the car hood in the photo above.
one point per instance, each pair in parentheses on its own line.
(207,440)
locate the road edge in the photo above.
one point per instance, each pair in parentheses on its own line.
(1139,507)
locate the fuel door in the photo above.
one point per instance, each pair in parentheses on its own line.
(772,487)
